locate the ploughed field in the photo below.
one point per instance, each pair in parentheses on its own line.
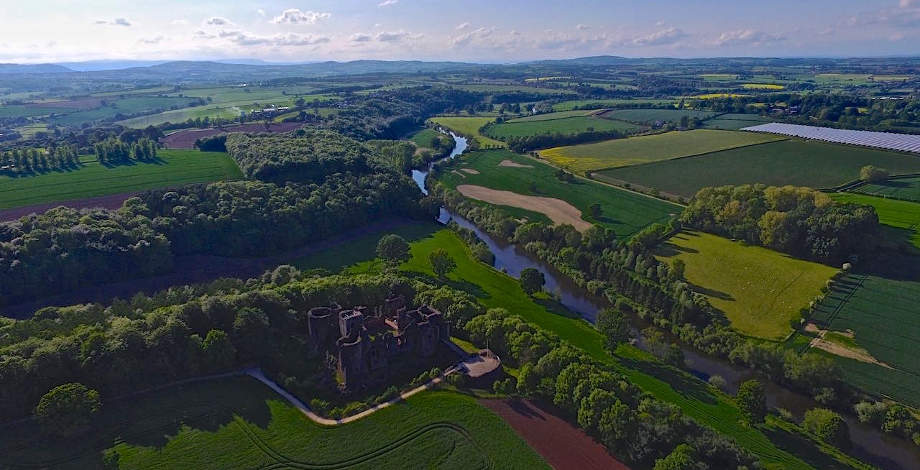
(241,423)
(760,291)
(794,161)
(649,148)
(92,179)
(623,211)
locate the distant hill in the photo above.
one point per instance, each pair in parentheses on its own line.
(33,68)
(593,60)
(99,65)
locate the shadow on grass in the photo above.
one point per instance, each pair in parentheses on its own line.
(804,449)
(683,383)
(555,307)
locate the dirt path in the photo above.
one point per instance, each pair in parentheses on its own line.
(840,350)
(562,445)
(559,211)
(513,164)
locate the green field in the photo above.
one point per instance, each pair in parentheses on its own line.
(568,125)
(596,104)
(759,290)
(733,122)
(241,423)
(124,106)
(649,148)
(793,161)
(652,115)
(625,212)
(778,444)
(551,116)
(422,138)
(880,308)
(907,189)
(173,168)
(469,127)
(902,215)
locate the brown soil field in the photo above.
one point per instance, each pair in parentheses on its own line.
(185,139)
(470,171)
(513,164)
(562,445)
(111,201)
(557,210)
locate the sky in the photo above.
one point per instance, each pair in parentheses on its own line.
(494,31)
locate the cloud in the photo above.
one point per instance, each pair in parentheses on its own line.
(116,22)
(663,37)
(179,21)
(744,37)
(472,36)
(218,21)
(295,16)
(909,3)
(395,36)
(243,38)
(462,26)
(386,3)
(906,16)
(360,37)
(261,12)
(151,41)
(582,27)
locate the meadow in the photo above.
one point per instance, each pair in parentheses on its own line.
(423,138)
(759,290)
(553,115)
(624,212)
(123,106)
(568,125)
(649,148)
(597,104)
(733,122)
(776,443)
(793,161)
(907,189)
(879,307)
(241,423)
(469,127)
(652,115)
(172,168)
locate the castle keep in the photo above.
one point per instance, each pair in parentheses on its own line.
(366,340)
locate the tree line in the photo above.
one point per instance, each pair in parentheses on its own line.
(795,220)
(32,160)
(113,151)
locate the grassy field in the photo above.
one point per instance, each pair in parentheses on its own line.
(551,116)
(794,161)
(595,104)
(762,86)
(734,122)
(125,106)
(241,423)
(901,215)
(879,308)
(174,168)
(775,443)
(625,212)
(649,148)
(468,126)
(422,138)
(652,115)
(568,125)
(759,290)
(902,188)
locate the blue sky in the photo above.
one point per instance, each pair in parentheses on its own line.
(473,30)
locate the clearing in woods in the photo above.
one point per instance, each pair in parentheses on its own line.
(91,179)
(649,148)
(760,291)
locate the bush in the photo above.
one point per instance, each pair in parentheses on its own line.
(872,174)
(68,410)
(828,426)
(752,400)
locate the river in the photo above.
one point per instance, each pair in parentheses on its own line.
(869,444)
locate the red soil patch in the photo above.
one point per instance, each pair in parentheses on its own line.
(186,139)
(111,201)
(562,445)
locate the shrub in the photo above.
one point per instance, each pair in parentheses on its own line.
(828,426)
(68,409)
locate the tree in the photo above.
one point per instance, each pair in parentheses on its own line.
(678,267)
(532,281)
(872,174)
(68,409)
(393,249)
(595,210)
(218,350)
(828,426)
(614,326)
(681,458)
(441,262)
(752,400)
